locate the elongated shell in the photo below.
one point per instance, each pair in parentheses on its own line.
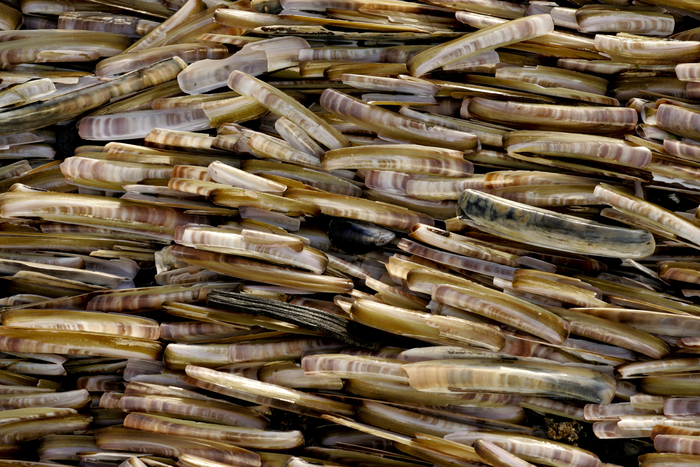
(598,120)
(386,122)
(480,41)
(510,377)
(638,50)
(540,227)
(588,147)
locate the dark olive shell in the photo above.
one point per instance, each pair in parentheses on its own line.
(357,237)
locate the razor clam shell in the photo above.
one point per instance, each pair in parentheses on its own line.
(678,120)
(268,147)
(297,138)
(532,449)
(611,412)
(558,39)
(28,92)
(577,145)
(596,120)
(620,335)
(481,41)
(506,309)
(441,330)
(281,104)
(394,125)
(185,140)
(242,19)
(656,367)
(33,413)
(688,72)
(254,58)
(195,332)
(266,273)
(126,439)
(379,83)
(74,104)
(388,181)
(488,135)
(499,9)
(316,178)
(646,51)
(60,272)
(556,287)
(354,367)
(234,110)
(555,78)
(550,230)
(30,46)
(211,411)
(616,20)
(118,215)
(405,421)
(131,26)
(133,326)
(239,383)
(291,375)
(349,456)
(606,67)
(189,53)
(148,299)
(77,343)
(510,377)
(400,158)
(457,261)
(496,456)
(382,214)
(290,224)
(398,99)
(548,195)
(160,32)
(460,244)
(681,407)
(394,392)
(28,430)
(442,189)
(110,174)
(138,124)
(74,399)
(356,236)
(240,436)
(677,444)
(481,61)
(674,325)
(656,215)
(228,175)
(438,209)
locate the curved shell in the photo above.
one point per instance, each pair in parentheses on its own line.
(552,230)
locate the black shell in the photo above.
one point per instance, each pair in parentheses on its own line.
(357,237)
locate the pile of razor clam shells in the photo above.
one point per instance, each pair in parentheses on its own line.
(362,233)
